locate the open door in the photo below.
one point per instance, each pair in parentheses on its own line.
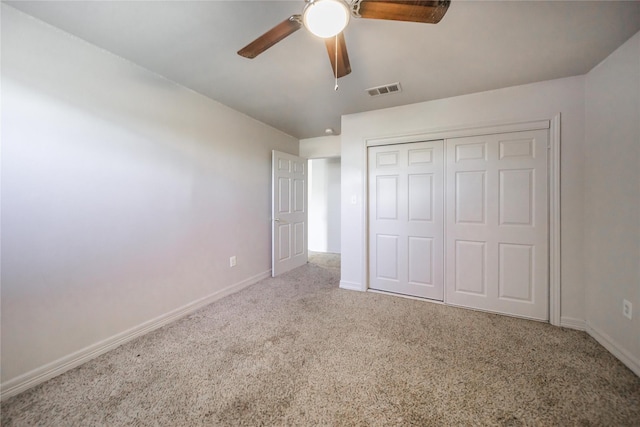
(289,213)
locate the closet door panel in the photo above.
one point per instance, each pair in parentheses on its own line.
(497,223)
(406,219)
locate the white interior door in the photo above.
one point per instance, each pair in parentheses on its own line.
(497,223)
(406,223)
(289,212)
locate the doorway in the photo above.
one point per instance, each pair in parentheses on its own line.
(324,205)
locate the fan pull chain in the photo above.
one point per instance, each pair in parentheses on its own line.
(336,66)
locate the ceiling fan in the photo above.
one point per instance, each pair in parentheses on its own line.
(327,19)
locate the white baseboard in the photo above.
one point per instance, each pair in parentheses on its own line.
(572,323)
(39,375)
(614,348)
(352,286)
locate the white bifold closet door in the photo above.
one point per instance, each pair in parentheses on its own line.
(497,223)
(406,219)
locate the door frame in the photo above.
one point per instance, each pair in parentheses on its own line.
(553,171)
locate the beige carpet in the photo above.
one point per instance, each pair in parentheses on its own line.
(296,350)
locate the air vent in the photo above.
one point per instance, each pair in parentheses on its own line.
(385,90)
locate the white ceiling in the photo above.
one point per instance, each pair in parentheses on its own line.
(478,46)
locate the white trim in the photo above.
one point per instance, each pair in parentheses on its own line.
(571,323)
(477,130)
(614,348)
(39,375)
(351,286)
(554,223)
(365,218)
(460,131)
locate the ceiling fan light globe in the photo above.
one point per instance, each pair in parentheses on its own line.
(326,18)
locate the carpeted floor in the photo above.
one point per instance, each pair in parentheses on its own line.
(296,350)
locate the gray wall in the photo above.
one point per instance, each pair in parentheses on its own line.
(123,197)
(612,200)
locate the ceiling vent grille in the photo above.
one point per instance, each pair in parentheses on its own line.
(385,89)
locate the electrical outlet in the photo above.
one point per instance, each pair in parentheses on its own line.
(232,261)
(627,309)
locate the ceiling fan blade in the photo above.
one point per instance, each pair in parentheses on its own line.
(425,11)
(271,37)
(343,66)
